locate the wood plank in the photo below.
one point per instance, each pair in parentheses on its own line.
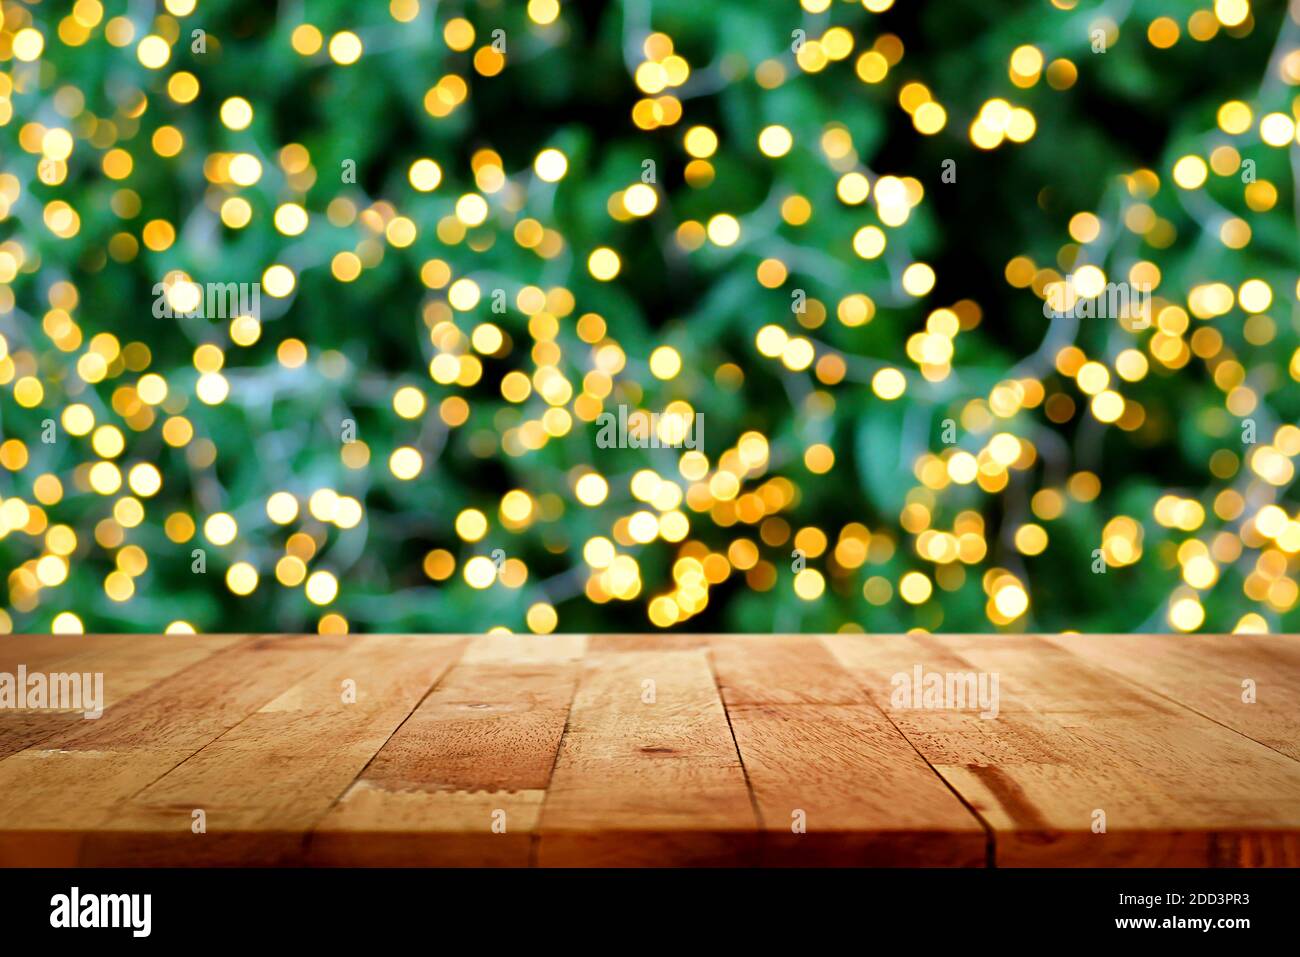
(780,669)
(1071,739)
(129,663)
(480,746)
(822,758)
(92,767)
(1206,673)
(376,827)
(641,782)
(267,780)
(522,749)
(22,727)
(41,651)
(646,642)
(516,650)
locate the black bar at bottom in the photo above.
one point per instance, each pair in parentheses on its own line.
(668,908)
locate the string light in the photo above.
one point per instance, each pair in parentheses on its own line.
(513,370)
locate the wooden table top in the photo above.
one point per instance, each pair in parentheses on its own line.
(659,749)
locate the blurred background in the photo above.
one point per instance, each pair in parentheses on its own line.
(435,242)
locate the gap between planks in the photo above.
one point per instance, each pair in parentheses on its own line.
(764,686)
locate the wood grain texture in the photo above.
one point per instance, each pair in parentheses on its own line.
(461,782)
(648,772)
(656,750)
(1073,742)
(833,781)
(303,747)
(61,782)
(129,663)
(1210,675)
